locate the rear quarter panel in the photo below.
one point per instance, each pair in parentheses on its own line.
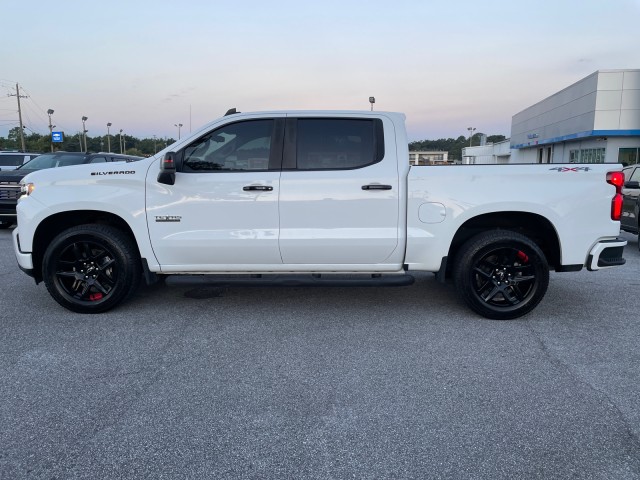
(577,202)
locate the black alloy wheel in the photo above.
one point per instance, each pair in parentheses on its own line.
(501,274)
(91,268)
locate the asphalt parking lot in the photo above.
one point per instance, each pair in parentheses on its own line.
(322,383)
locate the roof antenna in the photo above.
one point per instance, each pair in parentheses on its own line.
(231,111)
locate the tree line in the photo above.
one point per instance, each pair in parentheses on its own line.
(452,145)
(34,142)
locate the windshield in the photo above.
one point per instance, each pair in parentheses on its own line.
(52,160)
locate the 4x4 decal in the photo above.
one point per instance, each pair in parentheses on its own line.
(570,169)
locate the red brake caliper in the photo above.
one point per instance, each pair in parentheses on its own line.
(522,256)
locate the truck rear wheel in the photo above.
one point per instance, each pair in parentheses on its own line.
(501,274)
(91,268)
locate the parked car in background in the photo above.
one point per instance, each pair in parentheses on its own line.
(631,200)
(12,160)
(10,180)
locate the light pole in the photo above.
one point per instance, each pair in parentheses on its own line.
(120,140)
(155,148)
(179,125)
(50,112)
(471,130)
(108,137)
(84,133)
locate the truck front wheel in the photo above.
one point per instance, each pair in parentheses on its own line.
(501,274)
(91,268)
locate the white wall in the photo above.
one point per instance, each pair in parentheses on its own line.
(490,153)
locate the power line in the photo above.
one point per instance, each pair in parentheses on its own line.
(39,110)
(18,97)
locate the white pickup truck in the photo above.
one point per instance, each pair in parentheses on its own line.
(313,197)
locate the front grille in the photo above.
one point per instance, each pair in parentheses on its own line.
(9,191)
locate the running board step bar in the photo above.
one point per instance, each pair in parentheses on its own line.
(291,280)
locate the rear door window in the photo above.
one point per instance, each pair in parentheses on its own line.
(337,143)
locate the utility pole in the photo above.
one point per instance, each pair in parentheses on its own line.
(18,96)
(84,132)
(50,112)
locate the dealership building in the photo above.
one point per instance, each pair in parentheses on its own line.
(595,120)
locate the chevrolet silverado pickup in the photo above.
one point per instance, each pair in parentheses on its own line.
(314,197)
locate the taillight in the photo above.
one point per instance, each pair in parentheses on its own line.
(617,180)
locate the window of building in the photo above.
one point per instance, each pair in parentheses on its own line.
(574,156)
(629,156)
(587,155)
(592,155)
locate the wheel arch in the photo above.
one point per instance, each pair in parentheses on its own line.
(536,227)
(57,223)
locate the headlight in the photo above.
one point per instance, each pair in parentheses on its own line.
(27,188)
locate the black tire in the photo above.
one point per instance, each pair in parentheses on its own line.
(501,274)
(91,268)
(5,224)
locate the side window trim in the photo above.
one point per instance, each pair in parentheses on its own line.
(290,142)
(277,144)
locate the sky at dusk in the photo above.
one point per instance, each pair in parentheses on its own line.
(145,66)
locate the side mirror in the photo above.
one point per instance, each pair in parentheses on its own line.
(167,173)
(632,184)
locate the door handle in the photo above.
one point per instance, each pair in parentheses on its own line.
(376,186)
(261,188)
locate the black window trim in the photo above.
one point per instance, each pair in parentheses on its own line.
(290,163)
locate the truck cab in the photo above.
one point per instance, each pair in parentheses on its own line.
(259,193)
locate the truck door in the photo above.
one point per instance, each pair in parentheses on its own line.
(222,211)
(339,192)
(630,198)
